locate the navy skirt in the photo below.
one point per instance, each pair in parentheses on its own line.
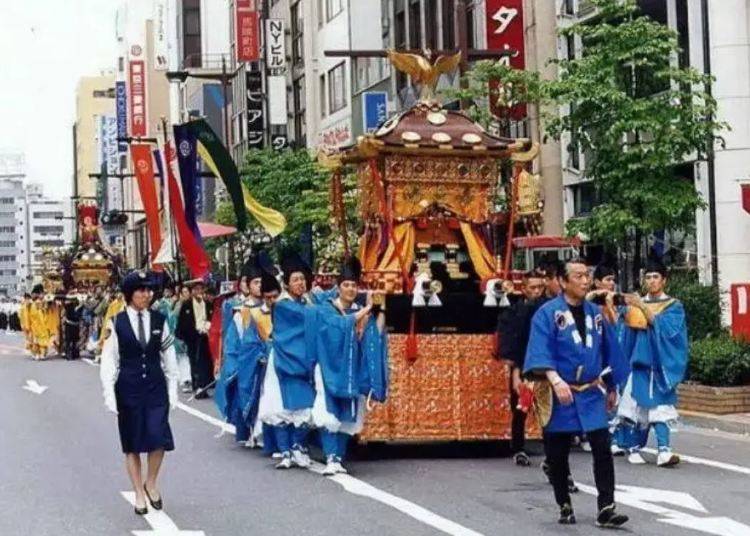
(143,414)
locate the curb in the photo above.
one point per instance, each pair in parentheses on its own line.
(733,424)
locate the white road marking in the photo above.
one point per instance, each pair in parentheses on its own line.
(710,463)
(644,499)
(361,488)
(89,361)
(34,387)
(161,524)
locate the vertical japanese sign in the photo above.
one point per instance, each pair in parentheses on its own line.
(112,162)
(161,52)
(276,90)
(255,122)
(505,32)
(137,83)
(121,105)
(246,19)
(275,47)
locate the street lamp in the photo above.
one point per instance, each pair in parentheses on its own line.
(225,78)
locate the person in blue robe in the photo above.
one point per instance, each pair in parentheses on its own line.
(573,347)
(234,326)
(656,342)
(350,351)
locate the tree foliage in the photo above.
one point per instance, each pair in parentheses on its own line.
(629,108)
(292,182)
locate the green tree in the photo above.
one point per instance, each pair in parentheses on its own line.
(292,182)
(632,110)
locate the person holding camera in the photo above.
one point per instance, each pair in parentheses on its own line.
(573,346)
(656,342)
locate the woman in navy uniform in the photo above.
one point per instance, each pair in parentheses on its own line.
(139,375)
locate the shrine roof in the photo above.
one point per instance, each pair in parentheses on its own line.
(427,125)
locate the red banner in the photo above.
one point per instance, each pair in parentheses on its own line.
(143,164)
(137,101)
(745,196)
(505,31)
(248,42)
(196,257)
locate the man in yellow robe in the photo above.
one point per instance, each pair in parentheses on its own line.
(24,312)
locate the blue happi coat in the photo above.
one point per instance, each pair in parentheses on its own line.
(555,344)
(351,366)
(658,355)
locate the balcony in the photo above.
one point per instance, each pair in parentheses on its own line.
(205,63)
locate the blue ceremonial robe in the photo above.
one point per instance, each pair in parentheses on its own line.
(294,364)
(555,344)
(351,367)
(658,356)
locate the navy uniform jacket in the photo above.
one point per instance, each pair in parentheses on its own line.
(556,344)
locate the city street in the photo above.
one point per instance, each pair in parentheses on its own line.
(61,473)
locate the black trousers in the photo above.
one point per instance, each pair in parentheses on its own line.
(557,446)
(70,342)
(200,361)
(517,423)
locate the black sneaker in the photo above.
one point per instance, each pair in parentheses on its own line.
(609,519)
(572,488)
(522,459)
(567,517)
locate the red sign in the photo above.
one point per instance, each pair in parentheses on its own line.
(745,196)
(145,177)
(740,298)
(505,31)
(137,101)
(248,45)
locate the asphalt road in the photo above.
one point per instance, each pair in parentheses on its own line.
(62,473)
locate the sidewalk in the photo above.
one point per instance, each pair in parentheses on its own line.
(735,423)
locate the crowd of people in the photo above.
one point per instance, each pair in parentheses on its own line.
(288,363)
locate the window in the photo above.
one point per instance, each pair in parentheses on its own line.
(333,8)
(400,25)
(570,45)
(449,10)
(48,215)
(683,34)
(430,24)
(48,229)
(415,25)
(369,71)
(336,88)
(471,33)
(48,243)
(191,33)
(322,95)
(300,125)
(6,200)
(569,7)
(584,198)
(7,244)
(7,258)
(7,229)
(321,13)
(298,47)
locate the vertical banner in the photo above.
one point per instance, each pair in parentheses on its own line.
(137,83)
(121,105)
(161,51)
(187,157)
(246,19)
(374,110)
(255,122)
(505,31)
(277,113)
(275,46)
(111,156)
(143,165)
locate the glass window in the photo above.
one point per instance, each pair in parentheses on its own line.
(298,47)
(584,198)
(337,88)
(449,10)
(322,95)
(333,8)
(431,24)
(300,125)
(400,25)
(415,25)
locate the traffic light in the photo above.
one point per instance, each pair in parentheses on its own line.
(114,217)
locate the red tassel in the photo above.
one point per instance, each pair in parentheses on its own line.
(412,349)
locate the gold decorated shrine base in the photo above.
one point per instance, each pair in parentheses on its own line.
(454,391)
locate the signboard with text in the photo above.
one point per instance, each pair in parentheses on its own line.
(505,32)
(137,85)
(254,104)
(374,109)
(121,107)
(246,20)
(275,49)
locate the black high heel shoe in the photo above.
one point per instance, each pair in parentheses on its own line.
(141,511)
(157,505)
